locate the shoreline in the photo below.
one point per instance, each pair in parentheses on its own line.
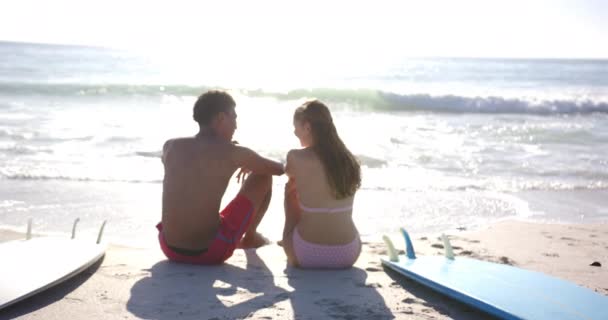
(136,283)
(54,205)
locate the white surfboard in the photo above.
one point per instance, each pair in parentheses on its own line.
(30,266)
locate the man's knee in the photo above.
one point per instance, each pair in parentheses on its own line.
(257,187)
(263,181)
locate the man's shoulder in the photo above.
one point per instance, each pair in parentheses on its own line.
(178,140)
(173,143)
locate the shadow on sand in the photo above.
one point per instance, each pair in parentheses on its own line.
(205,292)
(335,294)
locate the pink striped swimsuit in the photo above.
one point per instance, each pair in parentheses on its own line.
(312,255)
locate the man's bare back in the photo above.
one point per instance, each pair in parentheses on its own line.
(197,172)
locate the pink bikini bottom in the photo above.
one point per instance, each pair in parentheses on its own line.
(312,255)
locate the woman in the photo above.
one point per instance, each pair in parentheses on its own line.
(323,178)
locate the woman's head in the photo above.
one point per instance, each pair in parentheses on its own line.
(315,128)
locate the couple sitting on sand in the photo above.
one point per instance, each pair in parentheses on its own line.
(323,177)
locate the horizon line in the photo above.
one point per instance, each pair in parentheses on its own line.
(120,48)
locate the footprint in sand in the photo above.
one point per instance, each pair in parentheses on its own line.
(506,260)
(552,255)
(338,308)
(117,265)
(384,252)
(408,311)
(440,246)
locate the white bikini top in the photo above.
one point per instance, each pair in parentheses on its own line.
(325,210)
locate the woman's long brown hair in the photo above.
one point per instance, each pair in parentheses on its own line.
(341,167)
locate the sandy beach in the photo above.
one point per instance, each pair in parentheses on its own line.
(135,283)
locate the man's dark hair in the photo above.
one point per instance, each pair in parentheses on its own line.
(209,104)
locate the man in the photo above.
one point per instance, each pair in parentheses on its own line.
(197,172)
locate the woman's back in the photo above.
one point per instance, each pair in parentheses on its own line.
(311,182)
(324,219)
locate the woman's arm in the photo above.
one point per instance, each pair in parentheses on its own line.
(291,203)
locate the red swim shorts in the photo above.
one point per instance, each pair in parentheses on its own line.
(234,221)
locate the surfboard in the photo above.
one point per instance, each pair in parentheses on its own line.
(33,265)
(501,290)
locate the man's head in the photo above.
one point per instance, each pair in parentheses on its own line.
(215,110)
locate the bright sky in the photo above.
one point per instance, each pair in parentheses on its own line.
(271,30)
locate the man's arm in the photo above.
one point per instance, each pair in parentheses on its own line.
(250,160)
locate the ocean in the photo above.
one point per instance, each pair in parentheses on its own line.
(444,143)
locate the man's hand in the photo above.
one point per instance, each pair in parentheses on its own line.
(242,175)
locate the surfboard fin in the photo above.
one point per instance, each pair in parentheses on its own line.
(28,234)
(74,227)
(103,225)
(392,253)
(409,248)
(449,253)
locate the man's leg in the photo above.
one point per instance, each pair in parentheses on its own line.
(258,189)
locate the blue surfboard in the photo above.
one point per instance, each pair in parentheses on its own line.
(501,290)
